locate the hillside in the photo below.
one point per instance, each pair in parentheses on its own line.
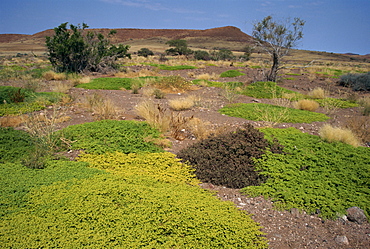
(228,37)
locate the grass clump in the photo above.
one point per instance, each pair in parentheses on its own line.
(104,136)
(306,104)
(231,74)
(181,104)
(336,134)
(172,84)
(265,90)
(102,108)
(318,93)
(271,113)
(313,175)
(227,159)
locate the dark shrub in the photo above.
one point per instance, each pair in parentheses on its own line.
(358,82)
(145,52)
(227,159)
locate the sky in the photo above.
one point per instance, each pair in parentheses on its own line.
(339,26)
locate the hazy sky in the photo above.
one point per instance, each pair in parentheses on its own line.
(339,26)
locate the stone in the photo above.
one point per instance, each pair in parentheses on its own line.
(356,214)
(342,240)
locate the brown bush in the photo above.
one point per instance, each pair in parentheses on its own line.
(337,134)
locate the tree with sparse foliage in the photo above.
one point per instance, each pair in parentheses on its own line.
(277,39)
(77,50)
(178,47)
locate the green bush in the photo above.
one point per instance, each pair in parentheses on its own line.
(228,158)
(231,73)
(222,55)
(201,55)
(271,113)
(265,90)
(313,175)
(358,82)
(111,135)
(75,50)
(14,144)
(108,211)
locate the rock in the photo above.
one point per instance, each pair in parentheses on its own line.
(356,214)
(342,240)
(255,100)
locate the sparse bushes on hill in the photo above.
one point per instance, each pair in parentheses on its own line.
(358,82)
(227,159)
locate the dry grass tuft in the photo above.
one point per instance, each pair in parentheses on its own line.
(134,74)
(207,76)
(11,121)
(83,80)
(306,104)
(360,125)
(102,108)
(336,134)
(318,93)
(183,103)
(365,104)
(51,75)
(155,114)
(200,129)
(61,87)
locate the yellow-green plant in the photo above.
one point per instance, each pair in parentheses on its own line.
(161,166)
(183,103)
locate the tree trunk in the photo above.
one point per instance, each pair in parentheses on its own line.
(274,69)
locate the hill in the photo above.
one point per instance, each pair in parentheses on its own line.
(227,37)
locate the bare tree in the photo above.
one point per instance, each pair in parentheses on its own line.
(277,39)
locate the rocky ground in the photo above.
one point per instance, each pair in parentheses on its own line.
(284,229)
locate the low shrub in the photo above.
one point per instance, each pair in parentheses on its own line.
(358,82)
(172,68)
(227,159)
(132,212)
(265,90)
(104,136)
(332,103)
(271,113)
(14,144)
(365,104)
(161,166)
(336,134)
(306,104)
(314,176)
(107,84)
(231,74)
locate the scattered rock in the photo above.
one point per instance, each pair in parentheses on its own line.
(356,214)
(255,100)
(342,240)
